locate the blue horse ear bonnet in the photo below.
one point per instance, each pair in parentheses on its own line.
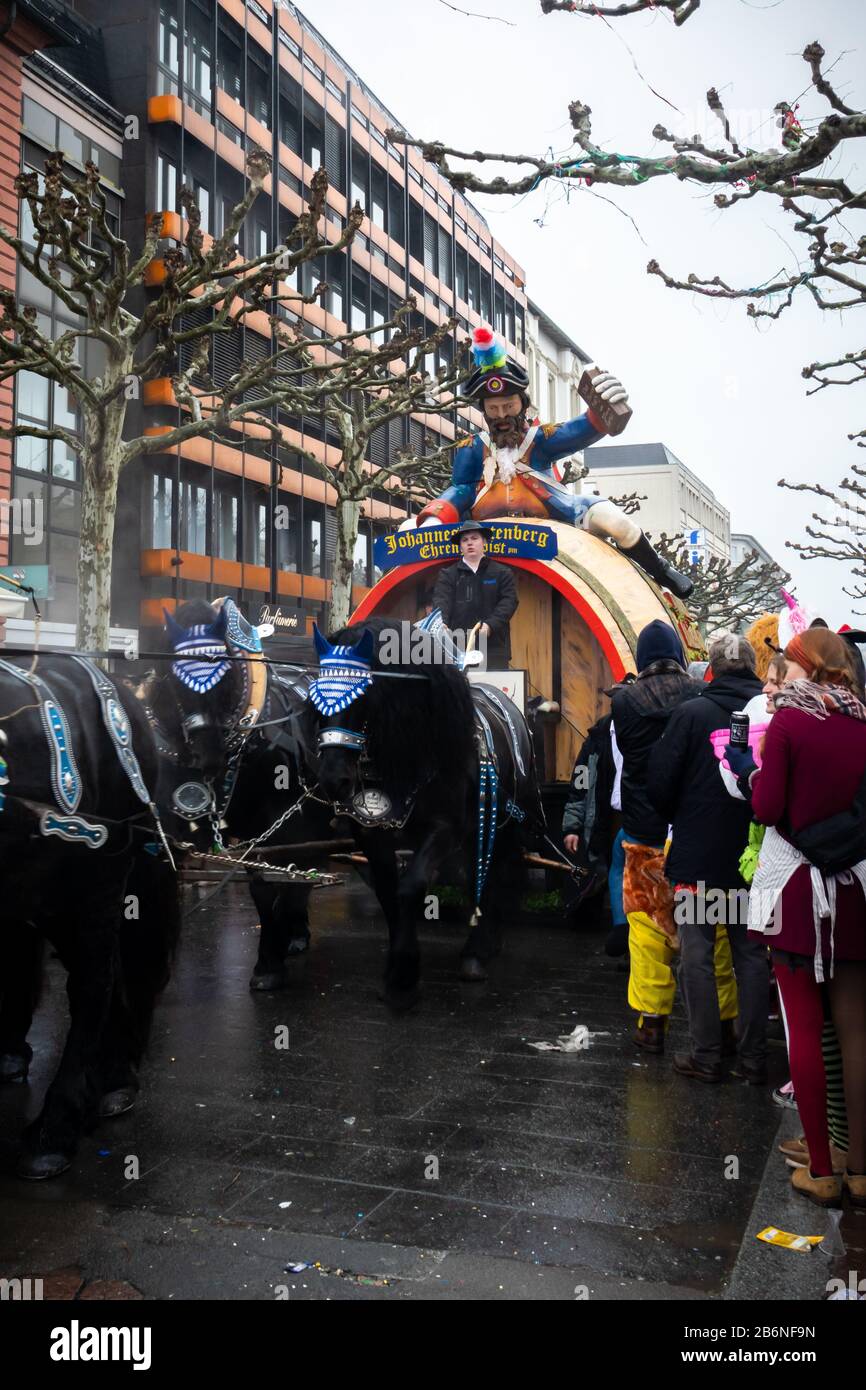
(198,650)
(345,673)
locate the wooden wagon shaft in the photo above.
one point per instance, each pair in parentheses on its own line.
(541,863)
(535,859)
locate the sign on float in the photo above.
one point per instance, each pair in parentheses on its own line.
(505,540)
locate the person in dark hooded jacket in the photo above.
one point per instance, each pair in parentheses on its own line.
(709,831)
(640,714)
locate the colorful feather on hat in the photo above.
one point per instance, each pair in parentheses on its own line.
(487,351)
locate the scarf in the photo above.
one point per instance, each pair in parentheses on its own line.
(820,700)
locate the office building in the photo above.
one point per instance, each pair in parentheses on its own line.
(675,500)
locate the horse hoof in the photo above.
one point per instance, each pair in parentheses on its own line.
(298,945)
(271,979)
(14,1067)
(472,971)
(38,1167)
(117,1102)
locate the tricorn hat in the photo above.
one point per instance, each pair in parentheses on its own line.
(496,374)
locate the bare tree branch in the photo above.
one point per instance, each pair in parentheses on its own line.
(681,10)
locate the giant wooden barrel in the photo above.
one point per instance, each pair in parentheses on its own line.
(575,630)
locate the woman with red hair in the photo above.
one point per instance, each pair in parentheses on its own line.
(813,763)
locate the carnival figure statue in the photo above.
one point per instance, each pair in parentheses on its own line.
(507,469)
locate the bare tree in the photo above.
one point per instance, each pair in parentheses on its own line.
(680,10)
(725,594)
(841,529)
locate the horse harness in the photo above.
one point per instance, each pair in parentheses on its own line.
(67,784)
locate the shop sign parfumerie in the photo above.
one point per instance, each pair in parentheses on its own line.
(505,540)
(284,620)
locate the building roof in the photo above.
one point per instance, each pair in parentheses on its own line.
(557,333)
(642,456)
(749,541)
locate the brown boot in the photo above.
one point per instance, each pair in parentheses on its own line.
(686,1065)
(650,1033)
(856,1185)
(824,1192)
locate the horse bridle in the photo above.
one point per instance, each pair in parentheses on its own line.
(342,738)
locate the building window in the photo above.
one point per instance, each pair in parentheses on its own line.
(379,306)
(486,308)
(161,504)
(396,212)
(314,69)
(360,177)
(290,112)
(287,528)
(166,183)
(256,526)
(199,59)
(230,70)
(225,520)
(314,539)
(192,528)
(314,133)
(379,195)
(169,42)
(462,285)
(474,286)
(289,43)
(258,90)
(416,230)
(337,284)
(360,306)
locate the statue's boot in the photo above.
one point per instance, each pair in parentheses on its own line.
(658,569)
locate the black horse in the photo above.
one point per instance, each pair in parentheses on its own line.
(235,774)
(77,768)
(416,757)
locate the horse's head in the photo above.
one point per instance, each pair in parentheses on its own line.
(340,696)
(206,685)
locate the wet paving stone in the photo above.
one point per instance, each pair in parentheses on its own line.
(437,1131)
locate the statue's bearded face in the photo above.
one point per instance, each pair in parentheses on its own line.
(506,419)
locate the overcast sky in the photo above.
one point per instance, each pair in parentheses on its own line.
(723,393)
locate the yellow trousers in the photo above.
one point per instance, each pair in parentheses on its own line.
(651,983)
